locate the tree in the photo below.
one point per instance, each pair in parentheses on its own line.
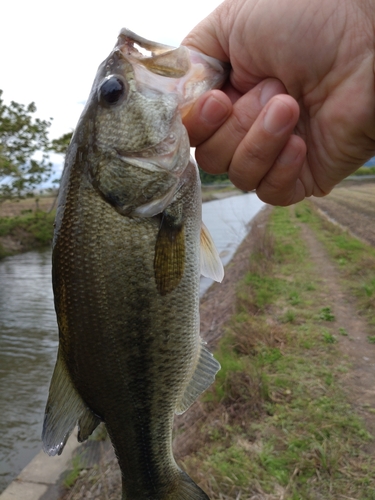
(61,144)
(23,139)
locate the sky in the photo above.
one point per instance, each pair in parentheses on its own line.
(50,50)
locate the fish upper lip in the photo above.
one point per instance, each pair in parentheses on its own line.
(128,38)
(162,58)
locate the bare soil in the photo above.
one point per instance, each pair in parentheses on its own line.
(352,206)
(358,383)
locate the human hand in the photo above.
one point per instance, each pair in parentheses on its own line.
(298,112)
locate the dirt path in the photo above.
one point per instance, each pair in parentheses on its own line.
(359,381)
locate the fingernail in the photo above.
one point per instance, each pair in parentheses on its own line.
(277,117)
(214,111)
(269,89)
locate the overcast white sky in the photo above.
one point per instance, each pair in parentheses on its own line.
(50,50)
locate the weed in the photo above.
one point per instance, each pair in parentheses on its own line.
(343,332)
(74,473)
(294,298)
(369,287)
(328,337)
(358,273)
(326,314)
(289,316)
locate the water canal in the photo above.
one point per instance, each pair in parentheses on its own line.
(28,332)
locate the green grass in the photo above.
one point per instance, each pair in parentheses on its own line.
(326,314)
(32,229)
(73,474)
(365,171)
(277,419)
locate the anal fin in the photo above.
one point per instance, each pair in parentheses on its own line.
(65,408)
(203,376)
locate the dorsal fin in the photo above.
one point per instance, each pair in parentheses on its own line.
(211,265)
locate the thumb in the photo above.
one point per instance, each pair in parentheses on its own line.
(208,37)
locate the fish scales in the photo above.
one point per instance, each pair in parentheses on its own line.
(126,270)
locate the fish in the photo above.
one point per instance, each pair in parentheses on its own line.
(129,247)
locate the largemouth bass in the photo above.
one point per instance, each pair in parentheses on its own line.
(128,251)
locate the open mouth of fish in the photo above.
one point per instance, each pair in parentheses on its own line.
(183,67)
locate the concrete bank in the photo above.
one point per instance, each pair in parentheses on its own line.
(40,478)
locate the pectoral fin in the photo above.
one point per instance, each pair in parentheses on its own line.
(169,261)
(211,265)
(203,376)
(65,408)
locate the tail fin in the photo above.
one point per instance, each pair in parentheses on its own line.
(187,490)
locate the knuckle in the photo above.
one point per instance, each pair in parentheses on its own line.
(270,191)
(254,152)
(241,122)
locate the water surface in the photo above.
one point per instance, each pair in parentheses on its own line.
(228,220)
(28,342)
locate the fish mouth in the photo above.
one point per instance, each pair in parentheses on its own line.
(163,60)
(180,71)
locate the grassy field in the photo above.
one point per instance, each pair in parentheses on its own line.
(278,423)
(34,204)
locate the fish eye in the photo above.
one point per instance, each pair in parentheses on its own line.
(112,90)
